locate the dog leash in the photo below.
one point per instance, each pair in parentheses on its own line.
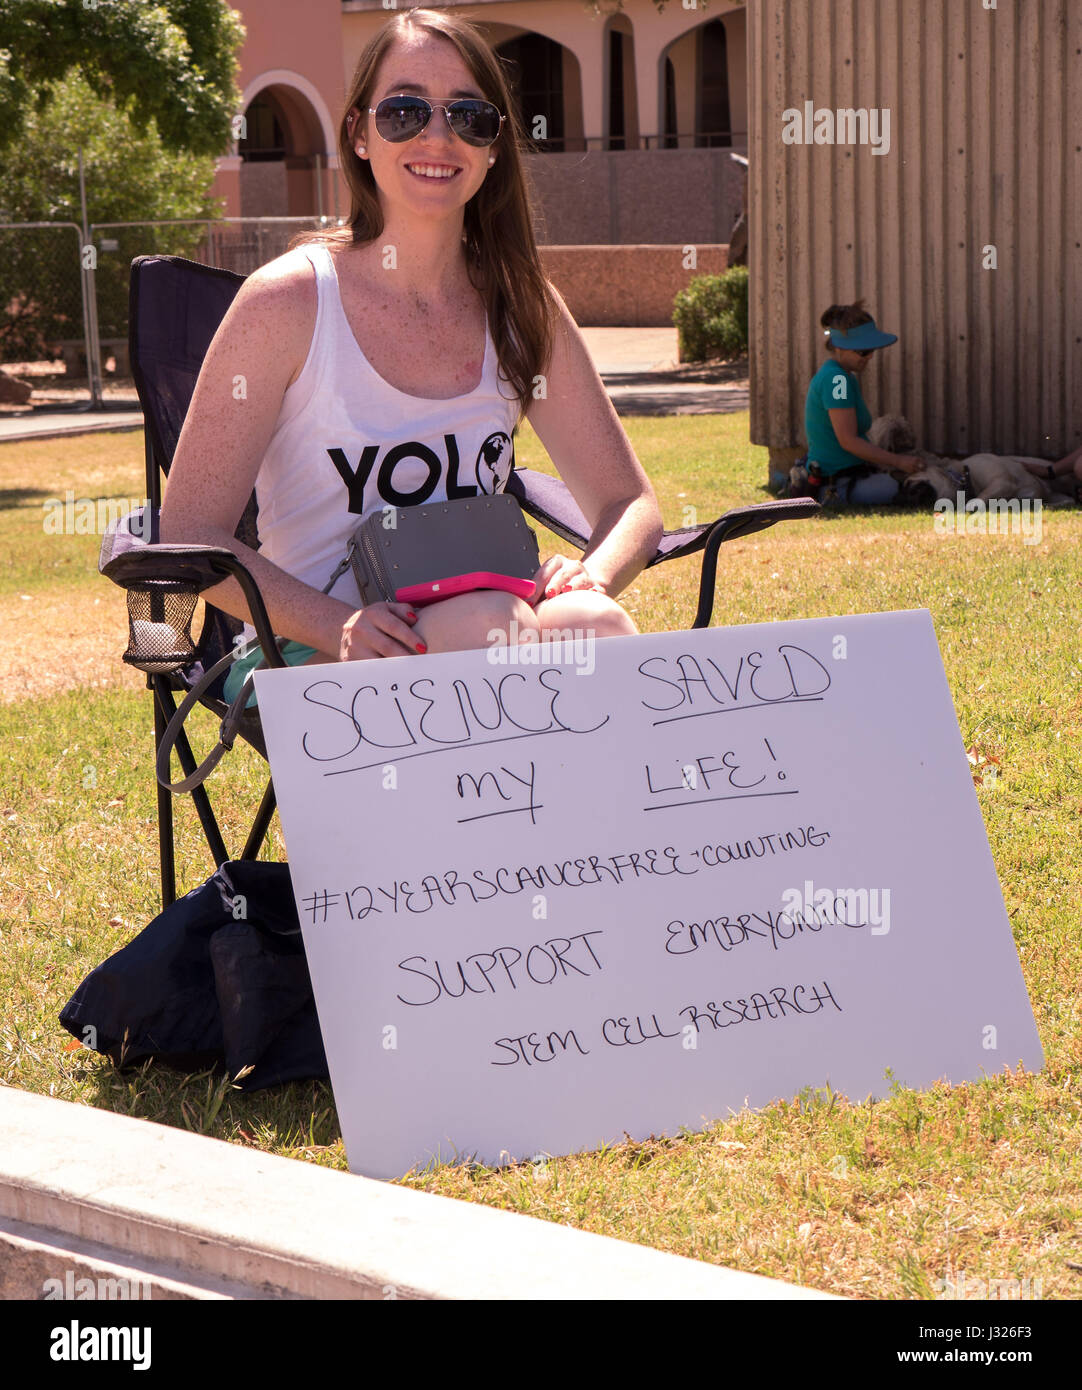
(960,480)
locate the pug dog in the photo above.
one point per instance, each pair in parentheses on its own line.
(982,476)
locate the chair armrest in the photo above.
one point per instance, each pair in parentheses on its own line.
(741,521)
(549,500)
(132,557)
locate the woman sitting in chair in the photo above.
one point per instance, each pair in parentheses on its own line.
(837,420)
(388,364)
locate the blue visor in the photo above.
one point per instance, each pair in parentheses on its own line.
(862,338)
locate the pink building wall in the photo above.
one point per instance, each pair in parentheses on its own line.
(307,52)
(296,49)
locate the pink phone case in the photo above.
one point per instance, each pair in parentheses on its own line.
(438,589)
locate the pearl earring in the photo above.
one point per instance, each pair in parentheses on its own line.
(362,150)
(491,160)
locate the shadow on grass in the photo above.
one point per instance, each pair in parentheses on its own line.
(11,497)
(296,1115)
(831,511)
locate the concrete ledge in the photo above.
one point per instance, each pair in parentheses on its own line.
(42,1264)
(58,425)
(211,1219)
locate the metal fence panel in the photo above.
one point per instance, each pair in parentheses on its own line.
(58,296)
(42,299)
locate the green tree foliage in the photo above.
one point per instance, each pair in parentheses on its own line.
(172,62)
(129,173)
(711,316)
(130,176)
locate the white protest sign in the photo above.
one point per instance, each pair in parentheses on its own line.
(638,883)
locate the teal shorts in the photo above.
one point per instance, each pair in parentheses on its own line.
(294,653)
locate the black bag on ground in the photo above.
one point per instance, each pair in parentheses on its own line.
(211,981)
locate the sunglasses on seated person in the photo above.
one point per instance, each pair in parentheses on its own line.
(403,118)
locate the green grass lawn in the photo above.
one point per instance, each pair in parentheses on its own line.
(868,1200)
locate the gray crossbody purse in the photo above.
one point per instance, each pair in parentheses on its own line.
(400,546)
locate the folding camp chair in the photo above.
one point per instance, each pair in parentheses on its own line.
(176,307)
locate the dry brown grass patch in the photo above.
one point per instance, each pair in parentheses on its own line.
(50,642)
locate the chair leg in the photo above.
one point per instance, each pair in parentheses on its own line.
(258,832)
(165,811)
(709,576)
(201,802)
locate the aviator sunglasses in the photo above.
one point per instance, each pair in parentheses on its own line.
(403,118)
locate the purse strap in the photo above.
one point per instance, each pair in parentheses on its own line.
(343,565)
(227,732)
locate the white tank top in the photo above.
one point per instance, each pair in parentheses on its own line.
(347,443)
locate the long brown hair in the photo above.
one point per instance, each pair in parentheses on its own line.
(501,251)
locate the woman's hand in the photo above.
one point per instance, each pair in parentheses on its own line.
(558,575)
(909,463)
(381,629)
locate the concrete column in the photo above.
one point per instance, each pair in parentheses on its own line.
(736,47)
(589,49)
(333,203)
(649,85)
(227,182)
(574,129)
(683,55)
(631,96)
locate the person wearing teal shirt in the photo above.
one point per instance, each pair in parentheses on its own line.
(837,418)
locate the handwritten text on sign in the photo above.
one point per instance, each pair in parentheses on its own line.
(542,894)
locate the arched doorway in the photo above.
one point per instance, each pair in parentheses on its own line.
(698,100)
(713,125)
(621,106)
(283,147)
(545,85)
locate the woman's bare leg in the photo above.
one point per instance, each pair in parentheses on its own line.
(484,618)
(584,613)
(467,620)
(473,620)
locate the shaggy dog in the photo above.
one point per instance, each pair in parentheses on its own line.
(983,476)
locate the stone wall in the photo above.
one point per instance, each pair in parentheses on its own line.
(635,197)
(627,286)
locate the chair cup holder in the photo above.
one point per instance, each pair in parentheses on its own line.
(160,616)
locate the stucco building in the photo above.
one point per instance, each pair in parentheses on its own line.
(940,177)
(603,91)
(923,154)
